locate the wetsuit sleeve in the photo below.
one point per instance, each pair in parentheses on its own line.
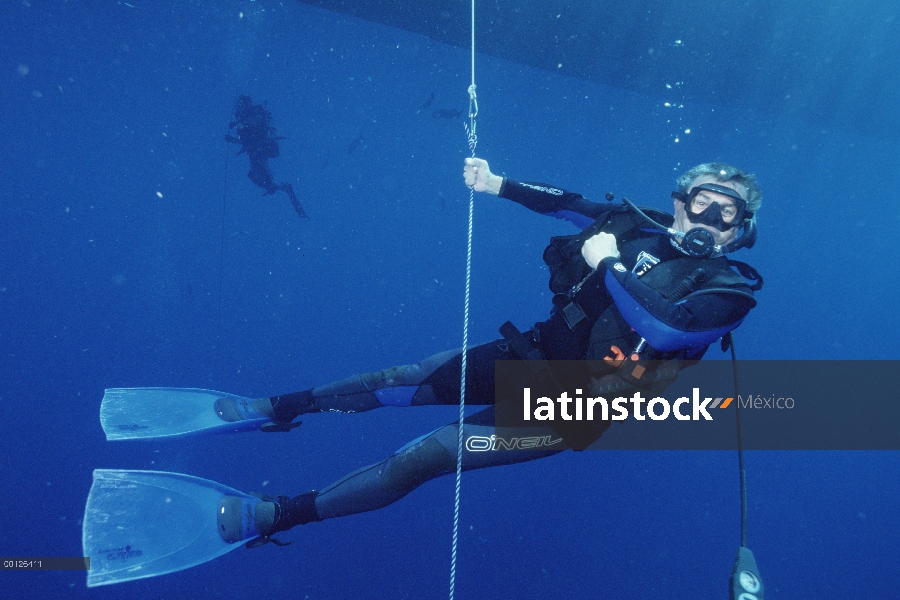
(695,321)
(554,202)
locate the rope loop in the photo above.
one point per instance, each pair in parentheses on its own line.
(471,138)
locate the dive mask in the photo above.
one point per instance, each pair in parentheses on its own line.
(711,213)
(699,242)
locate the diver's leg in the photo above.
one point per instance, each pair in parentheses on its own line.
(434,380)
(261,174)
(429,457)
(426,458)
(295,202)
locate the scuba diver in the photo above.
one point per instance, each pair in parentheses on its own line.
(660,286)
(253,131)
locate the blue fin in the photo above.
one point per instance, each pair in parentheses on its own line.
(141,524)
(143,413)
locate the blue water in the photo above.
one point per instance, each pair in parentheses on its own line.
(134,251)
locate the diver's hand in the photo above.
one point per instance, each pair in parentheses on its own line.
(598,247)
(478,177)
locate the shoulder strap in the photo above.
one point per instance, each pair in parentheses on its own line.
(563,254)
(748,272)
(615,222)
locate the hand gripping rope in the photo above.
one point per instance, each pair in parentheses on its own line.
(472,140)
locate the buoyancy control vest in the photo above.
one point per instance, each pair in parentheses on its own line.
(676,279)
(651,371)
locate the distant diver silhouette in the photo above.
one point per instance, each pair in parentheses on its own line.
(251,122)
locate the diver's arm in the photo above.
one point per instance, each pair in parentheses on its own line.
(539,197)
(551,201)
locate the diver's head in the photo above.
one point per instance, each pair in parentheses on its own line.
(718,199)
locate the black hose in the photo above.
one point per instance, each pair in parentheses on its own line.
(740,441)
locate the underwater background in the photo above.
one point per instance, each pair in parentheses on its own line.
(134,251)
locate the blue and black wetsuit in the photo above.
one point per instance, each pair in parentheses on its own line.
(641,284)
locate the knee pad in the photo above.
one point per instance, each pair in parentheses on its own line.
(386,378)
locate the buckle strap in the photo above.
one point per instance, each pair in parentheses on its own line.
(573,314)
(518,343)
(634,374)
(533,357)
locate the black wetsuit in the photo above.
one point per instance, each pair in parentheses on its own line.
(253,134)
(682,329)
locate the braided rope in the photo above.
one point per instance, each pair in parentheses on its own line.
(472,140)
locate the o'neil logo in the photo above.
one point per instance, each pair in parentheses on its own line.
(480,443)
